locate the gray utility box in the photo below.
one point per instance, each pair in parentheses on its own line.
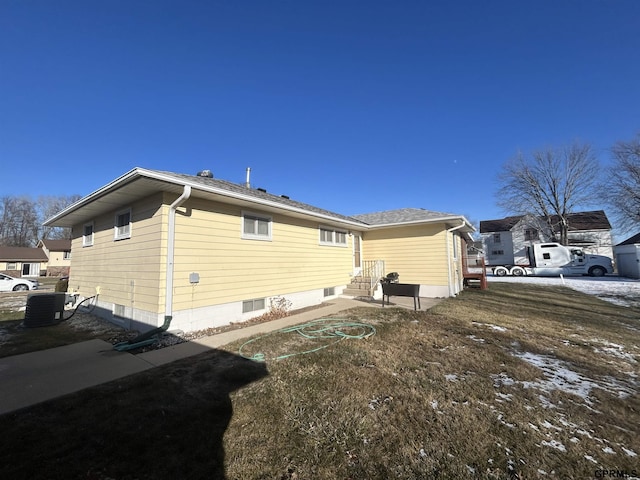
(44,309)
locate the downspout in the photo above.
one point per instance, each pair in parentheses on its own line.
(451,230)
(171,241)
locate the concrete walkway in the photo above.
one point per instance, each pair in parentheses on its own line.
(35,377)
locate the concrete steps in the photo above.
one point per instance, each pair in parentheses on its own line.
(359,287)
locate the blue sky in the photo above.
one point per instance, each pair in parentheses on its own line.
(353,106)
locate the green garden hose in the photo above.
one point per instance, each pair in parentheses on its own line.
(323,328)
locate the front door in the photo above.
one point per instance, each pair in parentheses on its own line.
(30,269)
(357,257)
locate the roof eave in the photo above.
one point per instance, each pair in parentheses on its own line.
(458,218)
(142,172)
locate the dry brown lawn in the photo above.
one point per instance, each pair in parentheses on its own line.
(518,381)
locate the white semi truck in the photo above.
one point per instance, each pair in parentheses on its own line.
(552,259)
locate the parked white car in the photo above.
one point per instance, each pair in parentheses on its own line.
(10,284)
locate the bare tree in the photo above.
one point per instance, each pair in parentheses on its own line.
(21,219)
(623,185)
(49,205)
(551,183)
(18,222)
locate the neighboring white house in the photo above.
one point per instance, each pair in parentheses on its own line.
(628,257)
(505,240)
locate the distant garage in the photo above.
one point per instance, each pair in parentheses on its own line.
(628,257)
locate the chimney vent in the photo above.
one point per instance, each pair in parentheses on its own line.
(205,173)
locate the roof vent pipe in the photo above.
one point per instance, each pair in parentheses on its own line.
(205,173)
(248,183)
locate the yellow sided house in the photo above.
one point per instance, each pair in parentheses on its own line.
(203,252)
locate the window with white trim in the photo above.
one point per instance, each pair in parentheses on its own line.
(331,236)
(66,256)
(496,238)
(329,291)
(255,226)
(87,234)
(122,227)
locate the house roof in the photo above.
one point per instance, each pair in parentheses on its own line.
(593,220)
(631,240)
(403,216)
(139,183)
(22,254)
(499,225)
(63,245)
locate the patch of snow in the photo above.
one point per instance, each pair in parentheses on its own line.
(476,339)
(491,326)
(618,290)
(451,377)
(554,444)
(502,379)
(504,397)
(630,453)
(559,376)
(608,450)
(590,458)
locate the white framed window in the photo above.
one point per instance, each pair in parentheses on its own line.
(329,291)
(496,238)
(66,255)
(332,236)
(87,234)
(256,226)
(122,225)
(12,266)
(252,305)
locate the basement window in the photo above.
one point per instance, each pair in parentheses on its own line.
(118,310)
(252,305)
(330,291)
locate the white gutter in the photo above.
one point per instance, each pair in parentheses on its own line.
(451,230)
(171,241)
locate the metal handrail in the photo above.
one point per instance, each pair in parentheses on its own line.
(372,269)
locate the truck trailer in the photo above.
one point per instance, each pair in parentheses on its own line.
(553,259)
